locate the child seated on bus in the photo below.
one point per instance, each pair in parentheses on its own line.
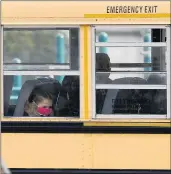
(39,104)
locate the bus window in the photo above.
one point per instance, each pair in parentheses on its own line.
(132,34)
(41,60)
(41,46)
(131,73)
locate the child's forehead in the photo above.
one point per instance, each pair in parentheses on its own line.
(45,101)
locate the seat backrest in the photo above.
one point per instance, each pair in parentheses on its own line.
(130,80)
(69,101)
(8,84)
(102,65)
(102,62)
(111,96)
(52,86)
(157,79)
(102,95)
(24,94)
(158,96)
(111,99)
(130,101)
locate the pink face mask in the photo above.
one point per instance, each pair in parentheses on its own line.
(44,111)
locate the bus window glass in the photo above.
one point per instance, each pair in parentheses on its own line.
(131,101)
(130,35)
(130,78)
(41,46)
(136,58)
(41,72)
(26,90)
(148,63)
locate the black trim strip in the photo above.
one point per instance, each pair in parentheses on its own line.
(130,65)
(77,127)
(88,171)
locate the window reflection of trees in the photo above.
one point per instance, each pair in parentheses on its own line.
(33,46)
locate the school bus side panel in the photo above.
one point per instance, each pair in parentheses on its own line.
(62,12)
(95,151)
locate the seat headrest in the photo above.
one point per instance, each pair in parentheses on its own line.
(102,62)
(156,79)
(50,85)
(25,92)
(130,80)
(71,83)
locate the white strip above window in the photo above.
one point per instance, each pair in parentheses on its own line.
(42,73)
(15,67)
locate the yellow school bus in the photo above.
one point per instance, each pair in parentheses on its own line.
(108,63)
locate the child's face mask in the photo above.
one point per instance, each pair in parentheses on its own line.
(44,111)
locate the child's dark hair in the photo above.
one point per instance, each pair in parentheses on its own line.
(102,62)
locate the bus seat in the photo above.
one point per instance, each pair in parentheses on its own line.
(102,65)
(130,80)
(159,99)
(24,94)
(157,79)
(11,110)
(8,84)
(102,62)
(127,98)
(106,97)
(108,102)
(110,99)
(69,101)
(158,95)
(53,87)
(46,80)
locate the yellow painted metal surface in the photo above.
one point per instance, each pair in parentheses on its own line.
(130,124)
(158,15)
(98,122)
(102,151)
(86,68)
(82,12)
(110,151)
